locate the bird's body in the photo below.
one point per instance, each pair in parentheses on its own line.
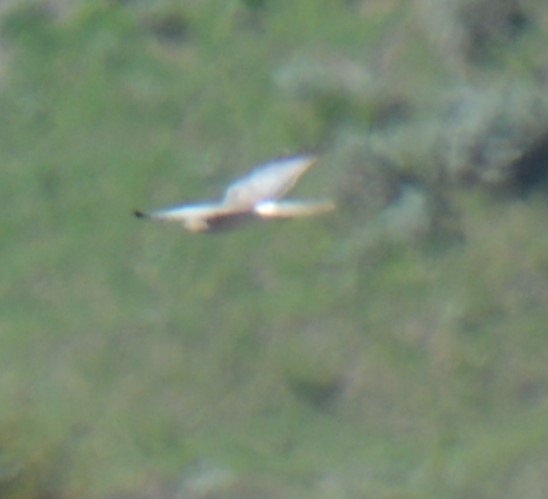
(255,196)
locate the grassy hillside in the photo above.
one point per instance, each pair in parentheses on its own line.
(396,348)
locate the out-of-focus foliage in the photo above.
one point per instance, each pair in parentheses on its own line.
(394,349)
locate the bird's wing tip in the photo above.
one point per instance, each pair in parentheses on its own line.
(309,159)
(139,214)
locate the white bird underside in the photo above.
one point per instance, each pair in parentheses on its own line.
(254,196)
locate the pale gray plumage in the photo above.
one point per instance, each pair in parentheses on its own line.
(268,182)
(254,196)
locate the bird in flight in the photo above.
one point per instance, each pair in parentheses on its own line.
(255,196)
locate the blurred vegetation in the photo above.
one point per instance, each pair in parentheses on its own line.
(397,349)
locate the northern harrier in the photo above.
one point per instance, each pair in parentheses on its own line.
(257,195)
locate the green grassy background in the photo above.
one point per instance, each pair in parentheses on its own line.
(391,350)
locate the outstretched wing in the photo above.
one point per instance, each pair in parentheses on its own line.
(200,217)
(267,182)
(293,209)
(181,213)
